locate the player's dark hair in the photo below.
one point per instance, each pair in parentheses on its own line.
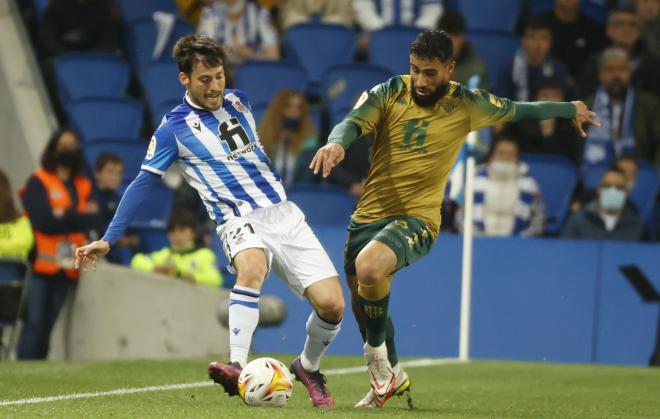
(452,22)
(48,157)
(191,49)
(182,219)
(433,44)
(536,23)
(105,159)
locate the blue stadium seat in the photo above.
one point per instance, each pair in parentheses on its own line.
(159,111)
(645,191)
(140,40)
(342,84)
(95,118)
(389,48)
(136,9)
(80,75)
(500,15)
(557,177)
(155,209)
(317,47)
(261,80)
(497,49)
(323,204)
(131,151)
(161,84)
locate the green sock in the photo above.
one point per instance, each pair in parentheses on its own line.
(389,341)
(375,318)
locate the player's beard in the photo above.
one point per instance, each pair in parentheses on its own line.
(430,100)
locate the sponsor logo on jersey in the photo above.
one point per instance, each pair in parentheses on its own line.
(152,148)
(243,151)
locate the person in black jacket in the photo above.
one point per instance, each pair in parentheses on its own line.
(610,216)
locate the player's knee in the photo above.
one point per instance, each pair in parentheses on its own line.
(369,272)
(332,310)
(251,276)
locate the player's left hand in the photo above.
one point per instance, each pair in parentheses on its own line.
(90,252)
(583,116)
(326,158)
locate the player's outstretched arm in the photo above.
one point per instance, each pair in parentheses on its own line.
(576,111)
(90,253)
(331,154)
(326,158)
(135,194)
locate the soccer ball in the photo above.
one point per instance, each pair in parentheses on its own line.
(265,382)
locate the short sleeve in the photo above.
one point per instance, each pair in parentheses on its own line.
(162,151)
(369,109)
(487,109)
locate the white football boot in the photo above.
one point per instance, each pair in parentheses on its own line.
(383,380)
(403,385)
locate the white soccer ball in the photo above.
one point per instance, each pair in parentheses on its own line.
(265,382)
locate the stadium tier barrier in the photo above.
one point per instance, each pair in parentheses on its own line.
(119,313)
(533,300)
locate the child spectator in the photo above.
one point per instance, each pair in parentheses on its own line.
(532,63)
(109,173)
(549,136)
(184,260)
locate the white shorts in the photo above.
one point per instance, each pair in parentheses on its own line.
(294,252)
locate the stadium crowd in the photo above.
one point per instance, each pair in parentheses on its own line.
(605,52)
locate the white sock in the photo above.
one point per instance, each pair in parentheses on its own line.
(319,336)
(243,320)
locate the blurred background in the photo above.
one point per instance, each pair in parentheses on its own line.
(566,254)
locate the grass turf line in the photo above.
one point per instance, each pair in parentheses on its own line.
(475,390)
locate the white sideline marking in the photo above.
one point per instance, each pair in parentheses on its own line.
(423,362)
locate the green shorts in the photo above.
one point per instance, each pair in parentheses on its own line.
(408,237)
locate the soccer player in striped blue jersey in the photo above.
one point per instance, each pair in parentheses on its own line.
(211,136)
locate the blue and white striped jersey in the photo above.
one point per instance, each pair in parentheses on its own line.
(219,154)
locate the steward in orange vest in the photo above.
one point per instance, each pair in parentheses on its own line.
(54,251)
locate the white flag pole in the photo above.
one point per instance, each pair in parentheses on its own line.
(466,269)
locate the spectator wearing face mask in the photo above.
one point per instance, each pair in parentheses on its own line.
(288,136)
(57,200)
(609,216)
(507,200)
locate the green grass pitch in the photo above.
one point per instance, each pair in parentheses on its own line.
(479,389)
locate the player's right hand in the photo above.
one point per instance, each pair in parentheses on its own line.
(90,252)
(326,158)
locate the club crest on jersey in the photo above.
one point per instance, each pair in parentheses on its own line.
(152,148)
(239,106)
